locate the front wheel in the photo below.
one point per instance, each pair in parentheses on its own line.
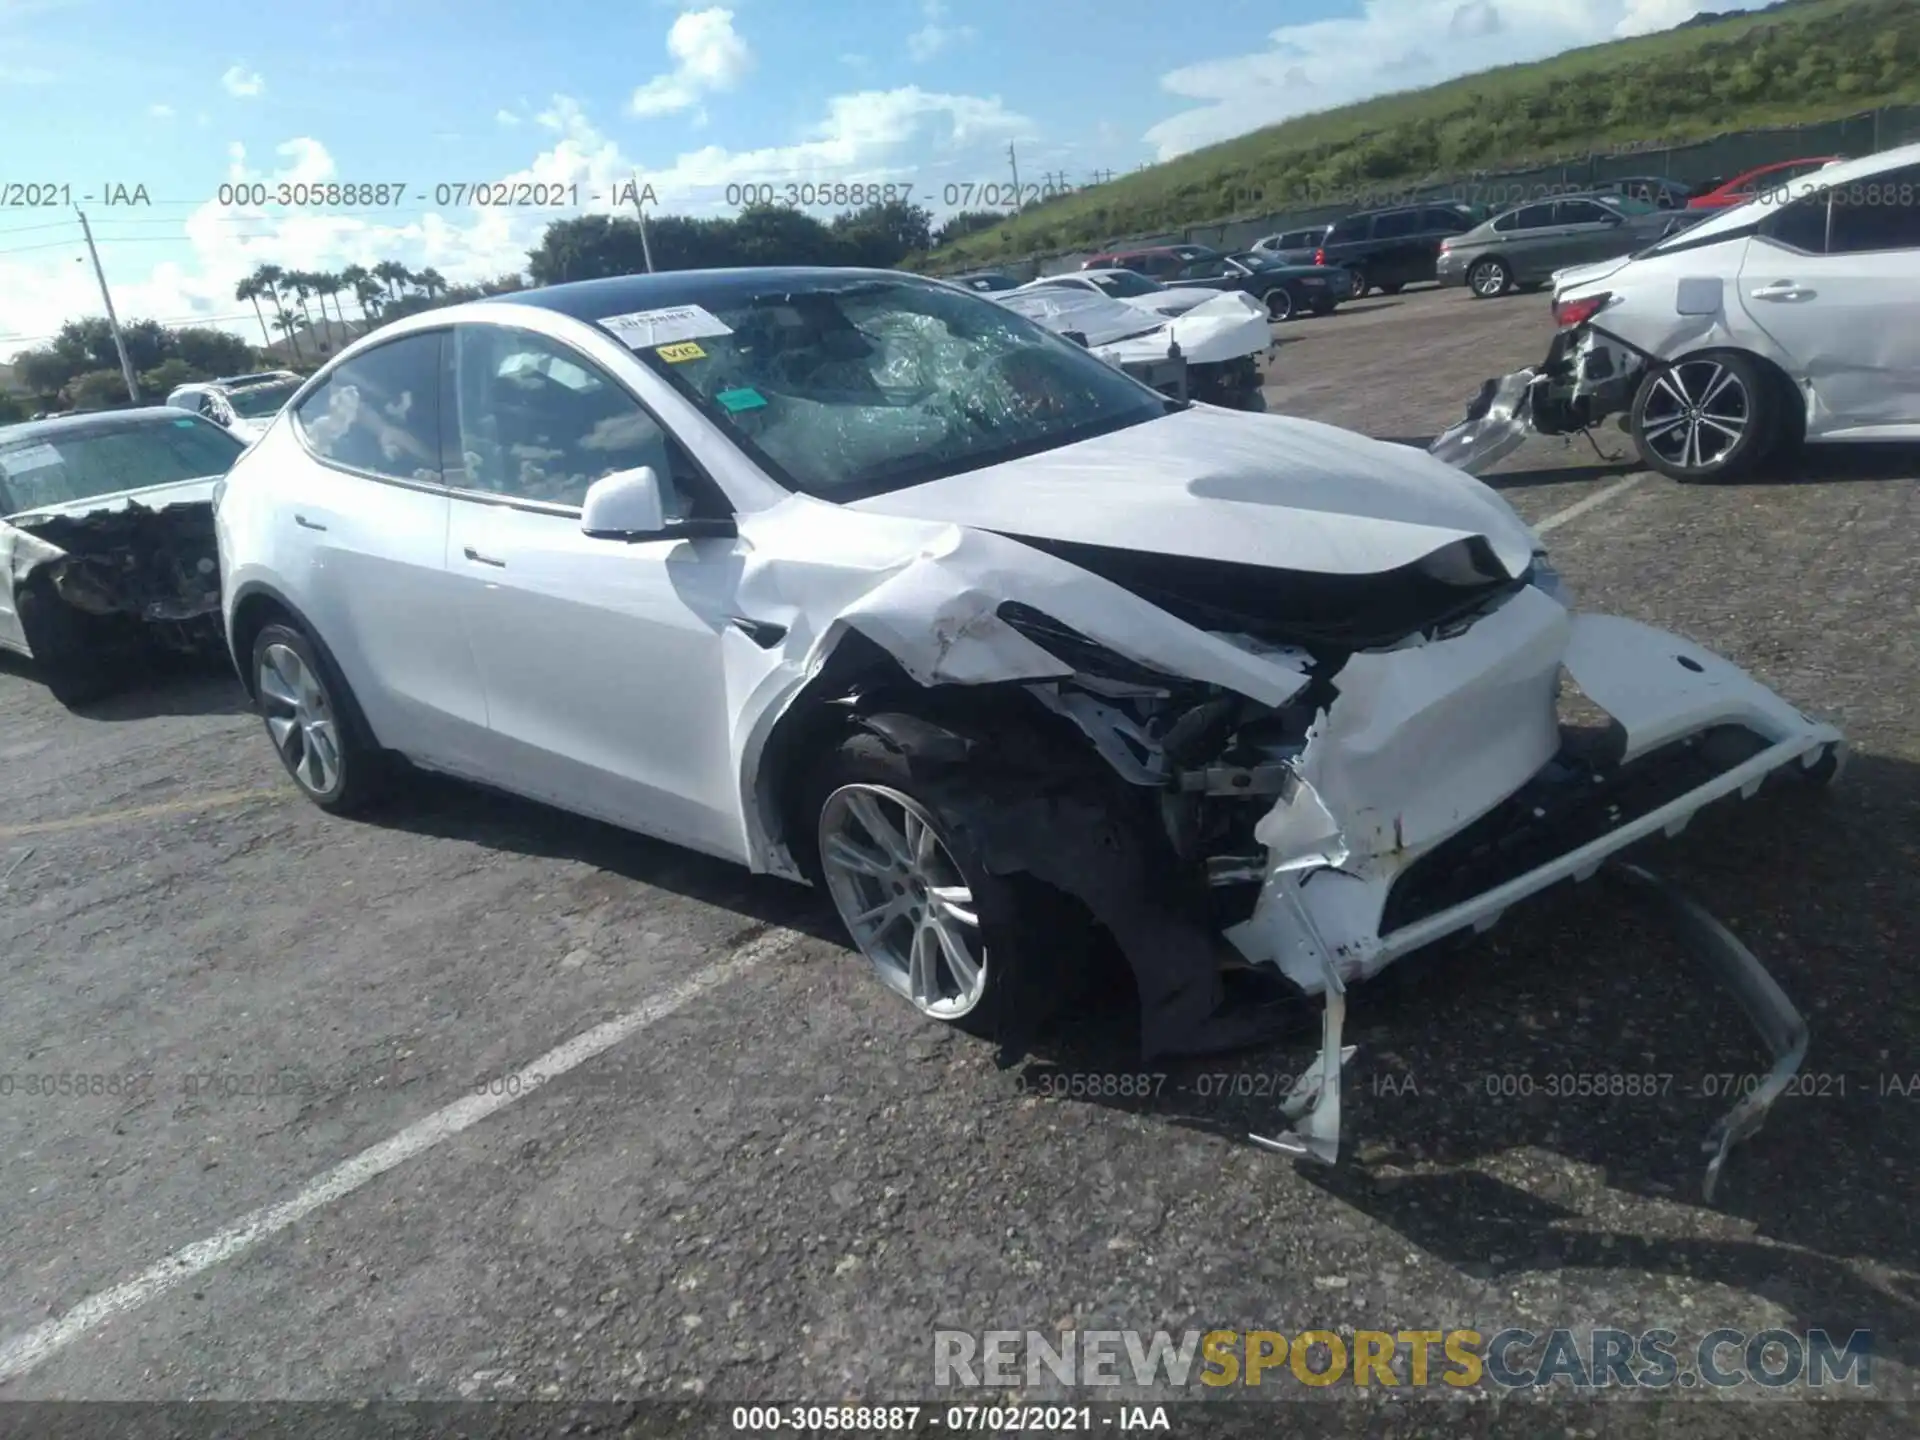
(1279,304)
(1705,419)
(314,724)
(940,930)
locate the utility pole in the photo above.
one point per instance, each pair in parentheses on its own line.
(113,320)
(646,249)
(1015,163)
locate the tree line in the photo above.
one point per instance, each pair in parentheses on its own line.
(80,369)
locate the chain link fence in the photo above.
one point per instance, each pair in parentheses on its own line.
(1717,159)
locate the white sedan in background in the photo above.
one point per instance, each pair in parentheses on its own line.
(1794,317)
(1129,287)
(855,577)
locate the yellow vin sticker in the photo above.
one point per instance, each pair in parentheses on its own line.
(685,350)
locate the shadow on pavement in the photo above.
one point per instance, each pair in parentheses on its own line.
(165,685)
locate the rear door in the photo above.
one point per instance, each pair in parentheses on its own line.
(1585,231)
(365,531)
(1834,281)
(1397,249)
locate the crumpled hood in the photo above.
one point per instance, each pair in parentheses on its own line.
(154,497)
(1207,483)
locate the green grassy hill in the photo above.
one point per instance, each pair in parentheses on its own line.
(1805,61)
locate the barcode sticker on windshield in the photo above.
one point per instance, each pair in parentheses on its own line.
(28,457)
(644,329)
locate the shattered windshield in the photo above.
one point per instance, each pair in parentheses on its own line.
(53,468)
(849,389)
(258,402)
(1125,285)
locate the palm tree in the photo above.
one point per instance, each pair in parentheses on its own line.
(356,279)
(367,292)
(301,283)
(268,279)
(395,274)
(249,289)
(330,286)
(288,326)
(431,281)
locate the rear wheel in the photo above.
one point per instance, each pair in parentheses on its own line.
(1279,304)
(1394,289)
(315,725)
(1489,278)
(1713,417)
(1361,284)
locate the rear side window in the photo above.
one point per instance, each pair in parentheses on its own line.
(1878,214)
(1446,222)
(1354,227)
(380,411)
(1581,212)
(1532,217)
(1801,225)
(1396,223)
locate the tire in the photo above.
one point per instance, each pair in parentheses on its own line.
(1394,289)
(992,918)
(1709,418)
(1489,278)
(1280,307)
(314,723)
(69,659)
(1360,283)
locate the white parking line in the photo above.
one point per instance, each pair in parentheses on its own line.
(27,1350)
(1592,502)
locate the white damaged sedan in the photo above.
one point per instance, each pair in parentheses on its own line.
(856,578)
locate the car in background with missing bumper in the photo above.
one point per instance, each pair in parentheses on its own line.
(852,577)
(106,543)
(1793,318)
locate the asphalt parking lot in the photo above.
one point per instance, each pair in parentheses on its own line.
(769,1180)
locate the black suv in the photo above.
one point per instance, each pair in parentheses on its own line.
(1389,250)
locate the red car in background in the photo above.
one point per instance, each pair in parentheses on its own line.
(1742,188)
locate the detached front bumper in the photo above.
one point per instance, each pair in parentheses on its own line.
(1586,377)
(1441,788)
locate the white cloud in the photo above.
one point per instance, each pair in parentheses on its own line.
(506,117)
(242,83)
(1388,45)
(708,55)
(935,34)
(917,136)
(160,112)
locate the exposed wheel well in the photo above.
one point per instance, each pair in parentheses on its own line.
(253,614)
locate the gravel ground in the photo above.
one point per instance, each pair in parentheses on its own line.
(777,1187)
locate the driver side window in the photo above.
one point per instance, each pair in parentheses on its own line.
(530,419)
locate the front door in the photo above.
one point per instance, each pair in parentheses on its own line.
(601,659)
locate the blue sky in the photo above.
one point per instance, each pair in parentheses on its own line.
(695,97)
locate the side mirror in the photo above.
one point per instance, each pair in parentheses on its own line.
(625,505)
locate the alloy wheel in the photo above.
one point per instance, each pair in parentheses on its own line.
(903,898)
(1280,304)
(1696,413)
(300,719)
(1490,279)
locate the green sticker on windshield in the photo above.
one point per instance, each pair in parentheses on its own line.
(738,400)
(186,424)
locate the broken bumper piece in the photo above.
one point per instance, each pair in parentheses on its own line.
(1375,855)
(1496,423)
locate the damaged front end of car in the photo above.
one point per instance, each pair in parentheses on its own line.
(103,590)
(1587,377)
(1305,777)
